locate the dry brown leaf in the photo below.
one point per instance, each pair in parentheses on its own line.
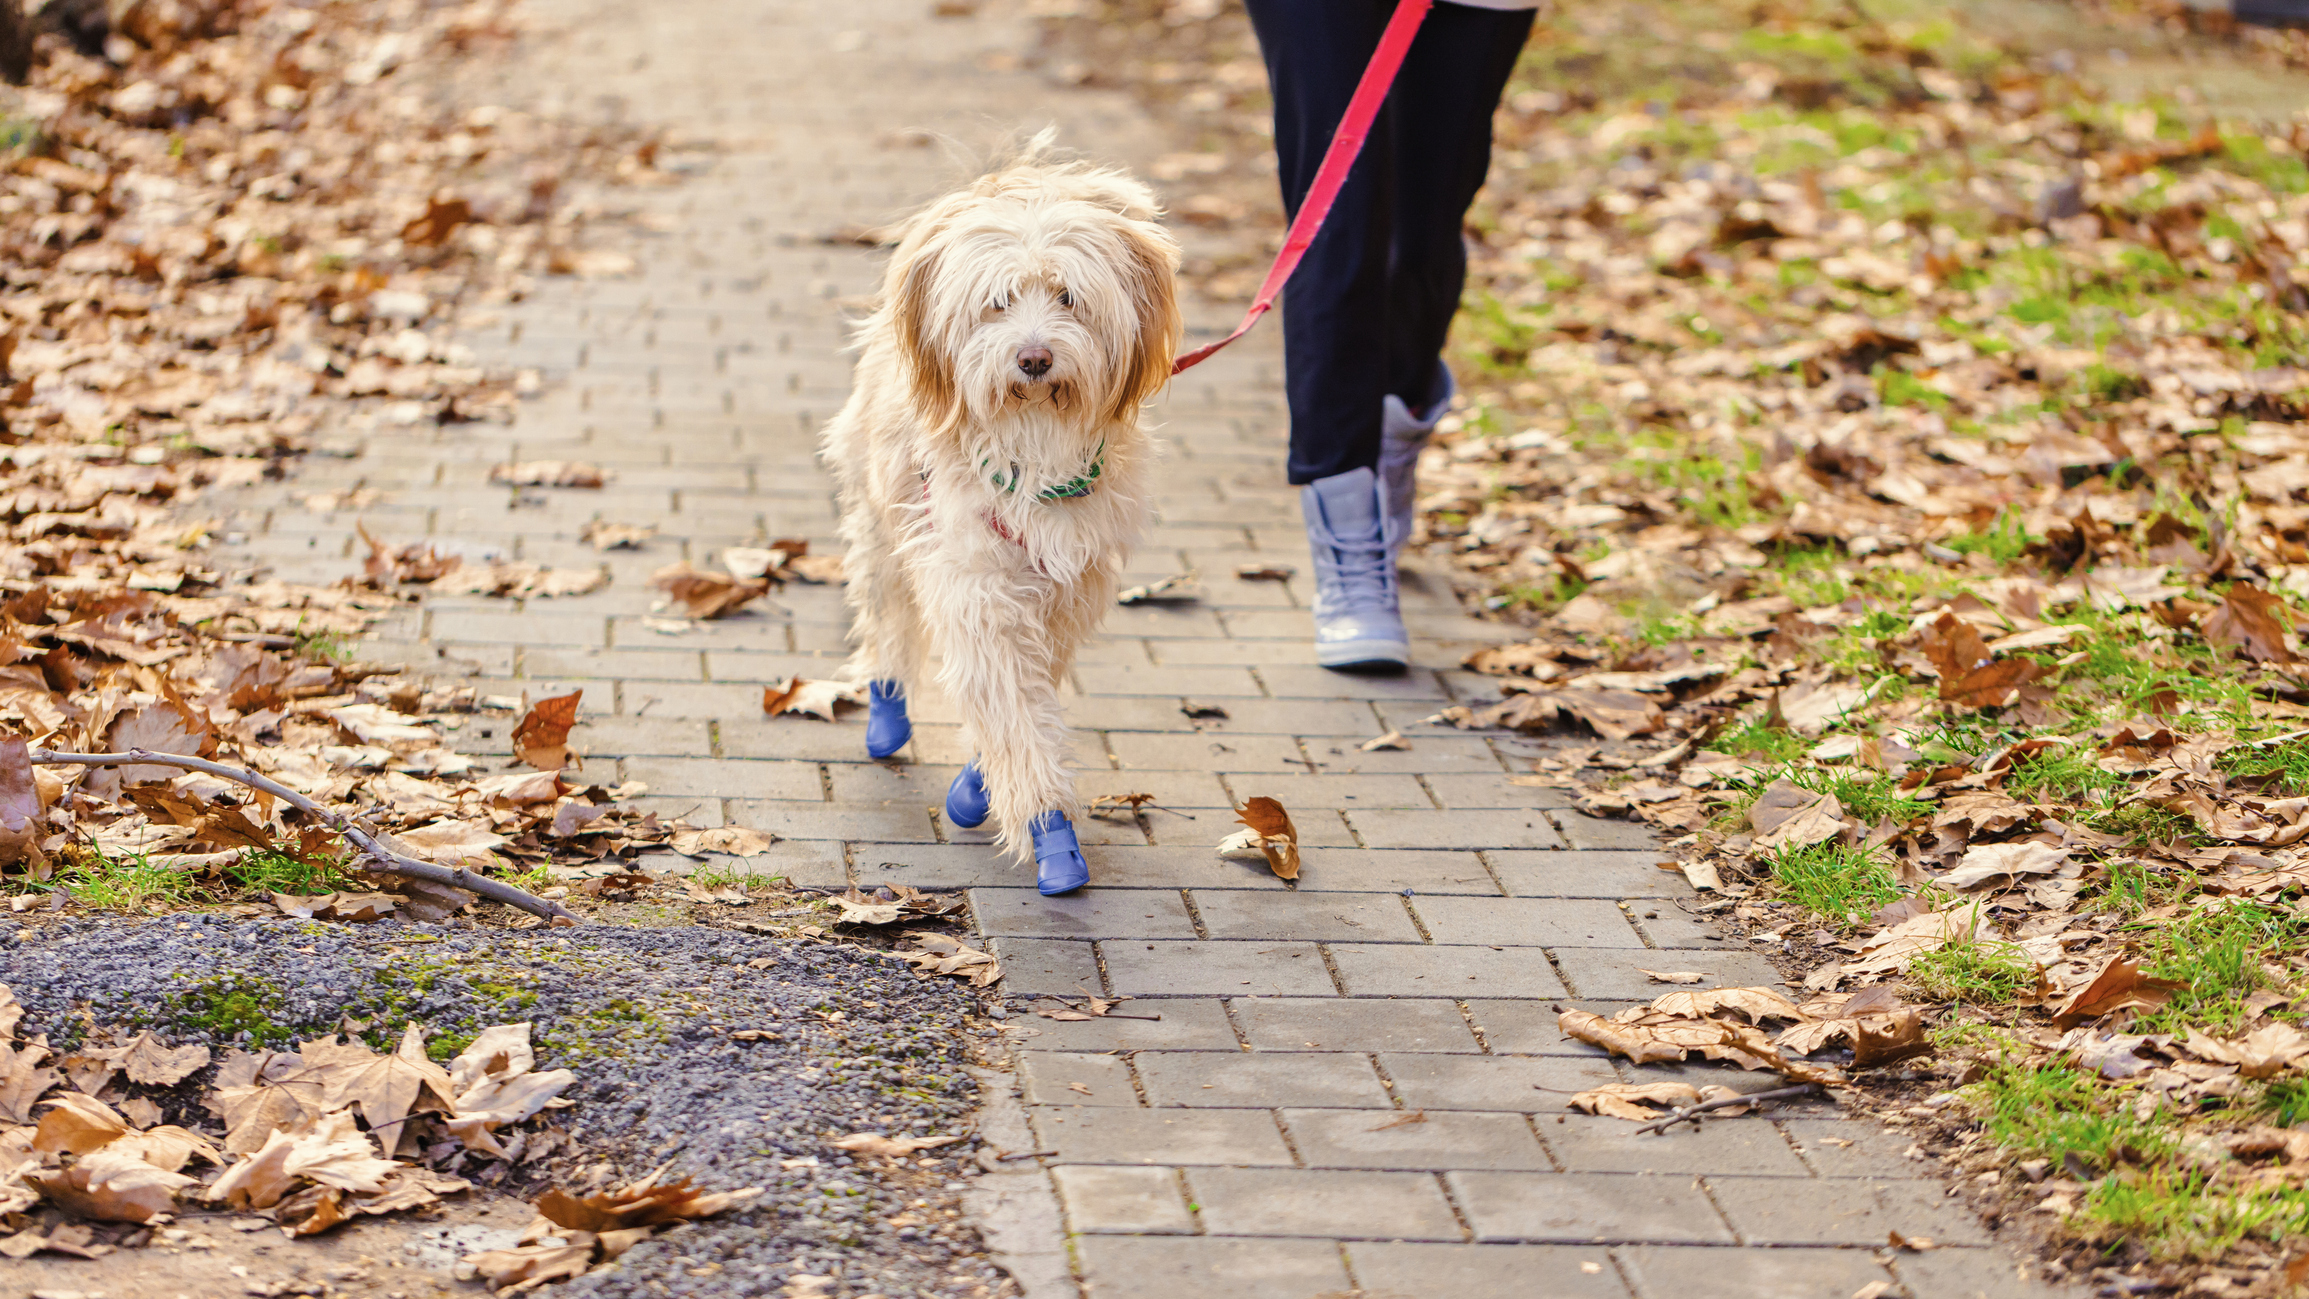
(20,805)
(873,1145)
(1273,835)
(113,1186)
(541,739)
(698,594)
(23,1081)
(1677,976)
(644,1203)
(1627,1100)
(735,840)
(1391,740)
(76,1124)
(1618,1039)
(529,1266)
(1265,572)
(547,473)
(1178,587)
(817,699)
(328,1150)
(2263,1053)
(2117,985)
(2255,622)
(2002,862)
(604,535)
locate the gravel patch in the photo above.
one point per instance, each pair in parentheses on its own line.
(642,1016)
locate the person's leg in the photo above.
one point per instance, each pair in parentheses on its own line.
(1335,306)
(1445,98)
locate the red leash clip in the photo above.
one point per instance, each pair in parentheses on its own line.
(1346,142)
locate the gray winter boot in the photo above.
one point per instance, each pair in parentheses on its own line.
(1401,437)
(1358,618)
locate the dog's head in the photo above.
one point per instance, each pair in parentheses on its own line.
(1041,285)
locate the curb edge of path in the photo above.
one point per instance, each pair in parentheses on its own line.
(1016,1209)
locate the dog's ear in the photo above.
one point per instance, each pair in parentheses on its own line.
(928,368)
(1153,260)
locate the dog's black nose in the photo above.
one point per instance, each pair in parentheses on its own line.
(1034,361)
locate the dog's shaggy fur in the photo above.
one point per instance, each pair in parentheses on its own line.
(948,442)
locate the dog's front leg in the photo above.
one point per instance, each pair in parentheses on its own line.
(999,664)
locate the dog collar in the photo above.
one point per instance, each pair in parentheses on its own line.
(1079,485)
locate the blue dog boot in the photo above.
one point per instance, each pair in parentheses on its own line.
(1058,864)
(887,728)
(966,801)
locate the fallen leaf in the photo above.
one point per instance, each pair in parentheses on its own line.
(1265,572)
(1179,587)
(2263,1053)
(736,840)
(873,1145)
(1627,1100)
(605,535)
(2117,985)
(817,699)
(541,739)
(547,473)
(1993,862)
(1275,837)
(706,595)
(2254,621)
(1675,977)
(1391,740)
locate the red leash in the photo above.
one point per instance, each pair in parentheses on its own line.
(1354,128)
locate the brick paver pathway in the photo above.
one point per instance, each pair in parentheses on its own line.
(1355,1085)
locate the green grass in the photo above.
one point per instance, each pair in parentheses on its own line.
(124,884)
(274,872)
(2286,764)
(2004,541)
(1843,883)
(1976,973)
(2063,772)
(2181,1213)
(2285,1102)
(2054,1112)
(2130,888)
(2218,954)
(1772,743)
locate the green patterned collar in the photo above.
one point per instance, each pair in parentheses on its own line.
(1079,485)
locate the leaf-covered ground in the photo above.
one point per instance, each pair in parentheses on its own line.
(1891,429)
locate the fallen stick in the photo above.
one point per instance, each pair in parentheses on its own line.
(1693,1112)
(386,861)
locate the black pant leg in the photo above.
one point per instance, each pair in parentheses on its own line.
(1442,108)
(1335,306)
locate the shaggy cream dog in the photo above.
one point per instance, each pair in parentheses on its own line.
(994,469)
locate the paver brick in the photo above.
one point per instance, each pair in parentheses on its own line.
(726,778)
(1092,913)
(1413,1139)
(1103,1198)
(1838,1147)
(1280,914)
(1074,1078)
(1528,1027)
(1260,1079)
(1186,1025)
(1206,968)
(1204,751)
(1128,1267)
(1528,1084)
(1976,1274)
(1031,966)
(1089,1134)
(1617,974)
(1576,874)
(1418,970)
(1383,828)
(1322,1202)
(1680,1272)
(1394,870)
(1584,1144)
(1352,1024)
(1492,789)
(1578,1207)
(1535,922)
(1418,1270)
(800,820)
(1583,831)
(1842,1211)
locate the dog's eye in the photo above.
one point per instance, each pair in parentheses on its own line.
(999,304)
(1065,298)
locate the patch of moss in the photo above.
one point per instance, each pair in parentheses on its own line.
(228,1005)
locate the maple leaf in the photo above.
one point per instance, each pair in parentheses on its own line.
(874,1145)
(23,1081)
(452,843)
(541,739)
(547,473)
(1179,587)
(706,595)
(809,698)
(384,1088)
(326,1149)
(1628,1100)
(20,806)
(736,840)
(2254,621)
(2263,1053)
(1272,833)
(2116,985)
(113,1186)
(617,536)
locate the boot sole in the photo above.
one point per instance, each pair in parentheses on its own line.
(1364,655)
